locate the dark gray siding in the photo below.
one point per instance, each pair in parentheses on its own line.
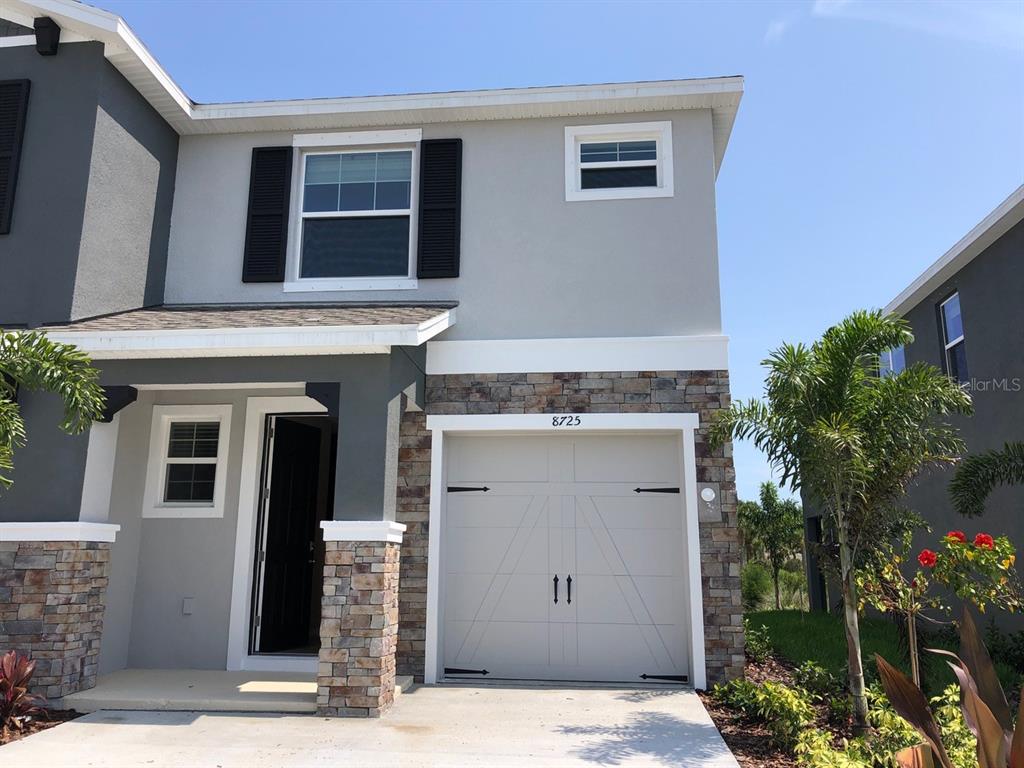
(39,256)
(991,292)
(92,210)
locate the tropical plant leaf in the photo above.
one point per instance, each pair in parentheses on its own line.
(993,741)
(974,656)
(910,703)
(919,756)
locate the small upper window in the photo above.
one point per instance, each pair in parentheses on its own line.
(953,339)
(892,361)
(607,162)
(187,461)
(356,211)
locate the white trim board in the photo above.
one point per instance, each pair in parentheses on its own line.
(256,410)
(363,530)
(253,342)
(683,423)
(647,353)
(59,531)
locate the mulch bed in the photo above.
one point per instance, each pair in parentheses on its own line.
(47,719)
(750,741)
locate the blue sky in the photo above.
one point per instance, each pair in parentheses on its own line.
(871,136)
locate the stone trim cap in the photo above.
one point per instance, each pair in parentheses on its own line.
(58,531)
(363,530)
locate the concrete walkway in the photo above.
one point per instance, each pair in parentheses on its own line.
(430,726)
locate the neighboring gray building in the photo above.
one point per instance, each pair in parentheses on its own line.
(407,385)
(968,319)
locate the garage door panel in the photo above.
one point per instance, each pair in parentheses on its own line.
(486,511)
(626,459)
(497,459)
(499,645)
(564,505)
(640,511)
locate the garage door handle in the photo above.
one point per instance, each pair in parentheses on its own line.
(556,588)
(568,589)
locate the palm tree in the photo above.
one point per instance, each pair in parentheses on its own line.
(979,475)
(850,438)
(30,361)
(776,527)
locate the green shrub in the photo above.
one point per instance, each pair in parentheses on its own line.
(793,589)
(755,585)
(786,712)
(759,642)
(817,680)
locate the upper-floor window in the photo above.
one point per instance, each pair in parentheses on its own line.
(953,339)
(356,211)
(892,361)
(609,162)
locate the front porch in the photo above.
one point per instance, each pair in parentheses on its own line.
(204,690)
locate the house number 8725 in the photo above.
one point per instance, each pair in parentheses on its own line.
(565,421)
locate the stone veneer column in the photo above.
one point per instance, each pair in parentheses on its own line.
(359,618)
(53,581)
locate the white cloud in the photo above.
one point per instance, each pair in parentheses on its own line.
(776,30)
(988,22)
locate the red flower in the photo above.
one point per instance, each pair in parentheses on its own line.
(984,540)
(957,535)
(927,558)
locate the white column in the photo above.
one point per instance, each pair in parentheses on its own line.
(99,471)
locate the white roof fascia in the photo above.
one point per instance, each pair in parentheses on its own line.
(131,57)
(990,229)
(273,341)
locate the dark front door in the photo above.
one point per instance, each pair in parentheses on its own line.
(291,521)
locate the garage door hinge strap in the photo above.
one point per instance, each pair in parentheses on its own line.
(670,678)
(465,489)
(457,671)
(655,490)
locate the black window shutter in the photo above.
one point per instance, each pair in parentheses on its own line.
(13,107)
(440,208)
(266,230)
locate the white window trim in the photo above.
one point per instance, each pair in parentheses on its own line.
(683,424)
(948,343)
(343,143)
(660,131)
(156,472)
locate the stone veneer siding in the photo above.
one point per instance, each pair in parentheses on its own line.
(358,628)
(51,609)
(700,392)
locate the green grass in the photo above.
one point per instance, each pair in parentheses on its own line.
(820,637)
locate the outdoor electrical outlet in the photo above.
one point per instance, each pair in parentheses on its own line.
(186,606)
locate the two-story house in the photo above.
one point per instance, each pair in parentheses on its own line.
(966,315)
(408,384)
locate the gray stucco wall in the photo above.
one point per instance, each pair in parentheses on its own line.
(533,265)
(990,289)
(95,185)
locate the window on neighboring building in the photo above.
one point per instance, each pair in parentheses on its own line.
(892,361)
(606,162)
(187,461)
(356,213)
(953,339)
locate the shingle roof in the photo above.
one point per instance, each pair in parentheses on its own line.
(211,317)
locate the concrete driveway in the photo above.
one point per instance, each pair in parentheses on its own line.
(429,726)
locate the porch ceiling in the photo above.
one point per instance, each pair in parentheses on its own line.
(220,330)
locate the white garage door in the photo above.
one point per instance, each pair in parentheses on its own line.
(561,569)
